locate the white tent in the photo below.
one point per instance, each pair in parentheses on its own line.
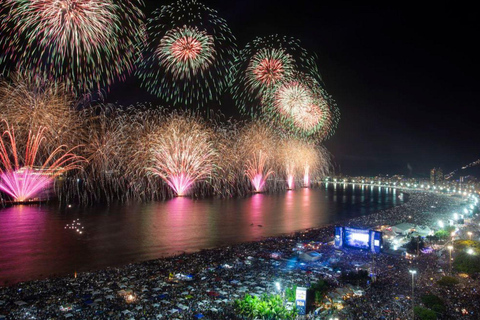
(403,228)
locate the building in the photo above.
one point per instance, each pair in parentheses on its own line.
(403,228)
(423,231)
(432,176)
(436,176)
(439,176)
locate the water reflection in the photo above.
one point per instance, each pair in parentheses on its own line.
(34,242)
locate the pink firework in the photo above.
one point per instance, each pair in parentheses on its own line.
(291,182)
(290,171)
(306,176)
(23,182)
(257,172)
(183,153)
(292,157)
(180,182)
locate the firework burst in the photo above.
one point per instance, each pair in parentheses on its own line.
(183,153)
(186,59)
(185,52)
(21,176)
(86,44)
(301,107)
(263,64)
(267,68)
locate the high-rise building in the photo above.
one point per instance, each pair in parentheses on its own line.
(436,176)
(439,176)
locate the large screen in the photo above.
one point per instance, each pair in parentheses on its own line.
(357,238)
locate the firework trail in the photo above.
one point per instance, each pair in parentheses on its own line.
(291,157)
(257,171)
(316,163)
(263,64)
(142,125)
(28,105)
(86,44)
(117,153)
(257,149)
(23,178)
(183,152)
(103,176)
(186,59)
(229,179)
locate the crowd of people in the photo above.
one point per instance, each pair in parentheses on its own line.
(206,283)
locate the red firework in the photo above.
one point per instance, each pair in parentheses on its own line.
(269,71)
(186,48)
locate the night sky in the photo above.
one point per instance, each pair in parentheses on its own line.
(405,78)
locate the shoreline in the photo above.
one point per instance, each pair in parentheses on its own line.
(221,274)
(291,234)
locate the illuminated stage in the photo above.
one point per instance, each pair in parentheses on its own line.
(370,240)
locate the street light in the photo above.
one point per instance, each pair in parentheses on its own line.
(277,285)
(450,248)
(413,272)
